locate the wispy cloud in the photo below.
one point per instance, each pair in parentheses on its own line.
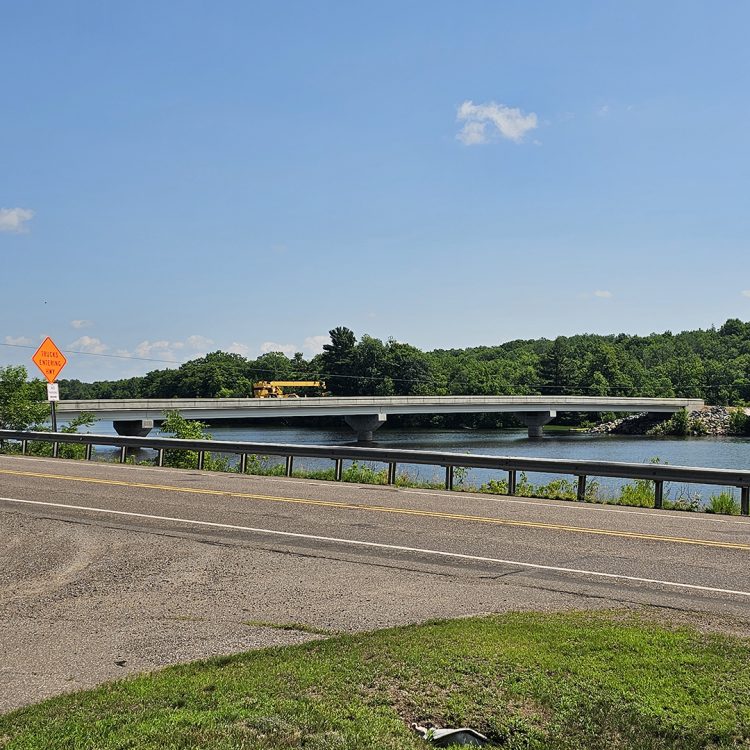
(161,349)
(14,219)
(199,342)
(18,340)
(81,323)
(603,294)
(237,348)
(603,111)
(745,292)
(272,346)
(314,344)
(89,345)
(483,122)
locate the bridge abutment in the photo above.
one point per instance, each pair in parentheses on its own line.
(365,424)
(535,421)
(133,427)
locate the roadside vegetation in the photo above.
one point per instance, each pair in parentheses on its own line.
(577,681)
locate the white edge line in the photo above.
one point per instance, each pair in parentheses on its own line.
(380,545)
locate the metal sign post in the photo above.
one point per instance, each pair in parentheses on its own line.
(53,396)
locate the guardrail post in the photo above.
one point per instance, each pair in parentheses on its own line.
(160,457)
(745,501)
(391,473)
(55,449)
(123,454)
(581,489)
(243,463)
(89,450)
(201,459)
(658,493)
(338,469)
(512,481)
(289,465)
(24,447)
(448,477)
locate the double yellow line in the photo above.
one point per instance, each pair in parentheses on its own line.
(384,509)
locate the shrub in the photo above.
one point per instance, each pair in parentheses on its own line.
(739,422)
(723,504)
(638,494)
(175,425)
(678,424)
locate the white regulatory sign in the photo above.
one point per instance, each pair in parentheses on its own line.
(53,392)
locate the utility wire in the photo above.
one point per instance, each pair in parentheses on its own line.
(382,377)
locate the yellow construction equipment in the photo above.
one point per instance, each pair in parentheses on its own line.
(275,388)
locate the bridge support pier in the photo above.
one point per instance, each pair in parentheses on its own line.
(365,424)
(133,427)
(535,421)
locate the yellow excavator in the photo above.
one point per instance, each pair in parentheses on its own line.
(275,388)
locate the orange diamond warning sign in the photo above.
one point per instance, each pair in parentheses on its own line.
(49,359)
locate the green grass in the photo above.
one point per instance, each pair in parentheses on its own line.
(531,681)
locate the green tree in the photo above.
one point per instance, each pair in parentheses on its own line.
(338,362)
(22,403)
(176,426)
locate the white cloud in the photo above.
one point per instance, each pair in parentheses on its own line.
(14,219)
(272,346)
(603,111)
(745,292)
(89,345)
(314,344)
(199,342)
(158,349)
(482,121)
(603,294)
(473,133)
(18,340)
(237,348)
(81,323)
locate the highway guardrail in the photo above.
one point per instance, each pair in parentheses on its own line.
(656,473)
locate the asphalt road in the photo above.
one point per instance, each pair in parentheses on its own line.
(107,570)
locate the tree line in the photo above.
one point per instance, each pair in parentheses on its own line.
(712,364)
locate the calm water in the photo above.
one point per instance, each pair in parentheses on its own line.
(724,452)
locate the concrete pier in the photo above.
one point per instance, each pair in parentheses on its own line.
(535,421)
(133,427)
(364,425)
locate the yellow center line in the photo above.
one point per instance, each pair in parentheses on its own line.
(383,509)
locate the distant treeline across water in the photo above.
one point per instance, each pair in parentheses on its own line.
(712,364)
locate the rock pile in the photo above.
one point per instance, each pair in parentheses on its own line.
(635,424)
(712,420)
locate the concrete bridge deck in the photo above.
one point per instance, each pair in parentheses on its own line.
(364,414)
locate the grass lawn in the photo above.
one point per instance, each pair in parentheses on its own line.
(558,681)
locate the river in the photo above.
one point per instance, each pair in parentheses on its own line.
(721,452)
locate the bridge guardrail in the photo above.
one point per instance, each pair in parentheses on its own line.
(657,473)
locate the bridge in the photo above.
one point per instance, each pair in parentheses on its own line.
(363,414)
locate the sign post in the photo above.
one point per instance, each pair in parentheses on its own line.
(50,360)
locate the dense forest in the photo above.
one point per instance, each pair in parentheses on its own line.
(712,364)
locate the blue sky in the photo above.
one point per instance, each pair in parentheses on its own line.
(177,178)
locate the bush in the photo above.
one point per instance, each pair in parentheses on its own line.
(175,425)
(739,422)
(639,494)
(678,424)
(723,504)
